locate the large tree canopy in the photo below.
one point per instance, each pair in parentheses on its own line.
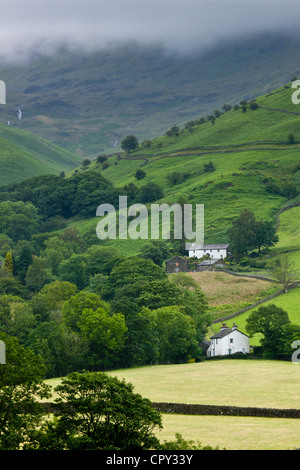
(96,411)
(18,220)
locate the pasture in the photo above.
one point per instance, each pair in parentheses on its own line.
(251,383)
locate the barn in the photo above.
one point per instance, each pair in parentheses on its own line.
(177,264)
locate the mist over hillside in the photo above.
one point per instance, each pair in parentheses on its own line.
(87,101)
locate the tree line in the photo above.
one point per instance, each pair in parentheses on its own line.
(88,306)
(49,199)
(92,411)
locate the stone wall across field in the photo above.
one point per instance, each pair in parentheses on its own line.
(256,304)
(212,410)
(222,410)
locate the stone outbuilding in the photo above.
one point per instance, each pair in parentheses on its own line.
(177,264)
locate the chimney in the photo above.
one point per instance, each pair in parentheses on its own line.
(234,326)
(223,327)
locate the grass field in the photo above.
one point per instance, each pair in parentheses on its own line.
(288,302)
(289,230)
(240,382)
(231,382)
(227,294)
(233,432)
(253,383)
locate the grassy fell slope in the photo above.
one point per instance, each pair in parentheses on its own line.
(86,101)
(289,242)
(23,155)
(247,150)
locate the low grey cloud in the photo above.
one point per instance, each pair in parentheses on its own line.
(178,24)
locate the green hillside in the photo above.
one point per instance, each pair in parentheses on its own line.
(254,164)
(23,155)
(86,102)
(289,242)
(249,150)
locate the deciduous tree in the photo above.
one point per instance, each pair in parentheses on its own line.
(99,412)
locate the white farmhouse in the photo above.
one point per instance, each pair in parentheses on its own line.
(228,341)
(216,251)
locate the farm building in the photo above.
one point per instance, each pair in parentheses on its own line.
(210,264)
(228,341)
(177,264)
(216,251)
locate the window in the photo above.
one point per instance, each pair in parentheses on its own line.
(231,340)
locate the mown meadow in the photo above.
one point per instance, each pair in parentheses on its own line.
(250,383)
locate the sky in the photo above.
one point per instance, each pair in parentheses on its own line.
(179,24)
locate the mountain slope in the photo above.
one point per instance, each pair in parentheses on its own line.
(23,155)
(254,165)
(87,101)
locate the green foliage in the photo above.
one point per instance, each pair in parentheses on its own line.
(129,143)
(150,192)
(269,321)
(247,234)
(283,271)
(177,177)
(105,333)
(101,158)
(98,412)
(209,167)
(9,263)
(37,274)
(174,131)
(18,220)
(24,260)
(79,194)
(183,444)
(130,271)
(177,335)
(285,188)
(157,251)
(160,293)
(21,386)
(74,307)
(140,174)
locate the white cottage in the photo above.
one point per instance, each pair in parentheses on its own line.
(228,341)
(216,251)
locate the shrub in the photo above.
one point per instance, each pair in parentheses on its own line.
(208,167)
(151,192)
(175,130)
(140,174)
(101,158)
(105,165)
(177,177)
(86,162)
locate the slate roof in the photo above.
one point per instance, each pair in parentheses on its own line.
(217,246)
(208,262)
(225,332)
(222,333)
